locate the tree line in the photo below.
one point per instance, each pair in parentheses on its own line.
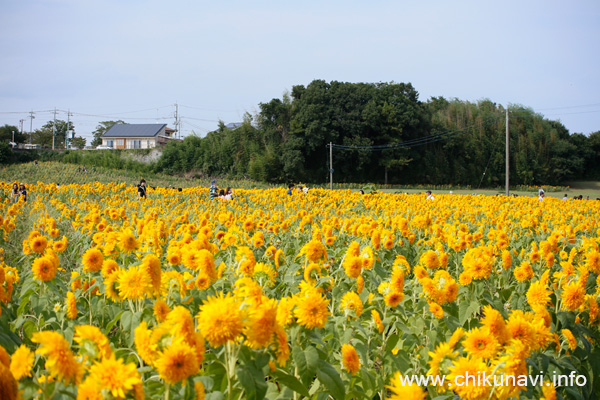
(382,133)
(386,135)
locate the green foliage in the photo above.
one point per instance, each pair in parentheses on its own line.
(6,134)
(287,141)
(101,128)
(44,136)
(5,153)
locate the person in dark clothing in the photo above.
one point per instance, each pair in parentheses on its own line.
(214,190)
(23,192)
(142,189)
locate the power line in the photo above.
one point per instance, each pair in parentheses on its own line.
(423,140)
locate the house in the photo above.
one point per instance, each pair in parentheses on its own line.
(137,136)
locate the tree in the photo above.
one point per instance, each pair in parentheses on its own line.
(44,137)
(6,134)
(101,130)
(78,142)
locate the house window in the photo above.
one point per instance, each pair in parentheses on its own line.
(136,144)
(109,143)
(120,142)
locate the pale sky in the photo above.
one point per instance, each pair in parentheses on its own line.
(133,60)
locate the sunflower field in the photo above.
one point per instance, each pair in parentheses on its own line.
(328,294)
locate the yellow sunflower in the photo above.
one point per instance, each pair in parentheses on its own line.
(60,360)
(92,260)
(177,362)
(71,306)
(351,305)
(350,360)
(220,319)
(21,362)
(134,283)
(43,269)
(115,376)
(311,310)
(128,241)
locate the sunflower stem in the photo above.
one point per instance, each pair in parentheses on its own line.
(168,392)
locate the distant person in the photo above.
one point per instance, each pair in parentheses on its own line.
(429,195)
(142,189)
(540,190)
(290,189)
(565,198)
(222,194)
(214,190)
(305,189)
(587,197)
(23,192)
(35,162)
(300,189)
(541,196)
(15,193)
(229,193)
(361,191)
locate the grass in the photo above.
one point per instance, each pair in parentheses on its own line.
(64,174)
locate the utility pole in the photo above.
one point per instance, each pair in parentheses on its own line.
(177,118)
(21,121)
(31,126)
(507,153)
(330,166)
(54,128)
(68,126)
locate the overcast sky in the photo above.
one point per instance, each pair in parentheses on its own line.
(133,60)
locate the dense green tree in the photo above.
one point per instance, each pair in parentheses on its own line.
(78,142)
(47,134)
(383,133)
(6,134)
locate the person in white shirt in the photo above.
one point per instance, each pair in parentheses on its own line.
(541,197)
(565,198)
(429,195)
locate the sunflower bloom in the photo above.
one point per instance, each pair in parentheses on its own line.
(177,362)
(473,388)
(161,309)
(570,338)
(115,376)
(43,269)
(21,362)
(573,296)
(60,360)
(71,306)
(311,310)
(478,343)
(538,295)
(352,304)
(93,334)
(350,360)
(220,319)
(314,251)
(134,283)
(128,242)
(402,391)
(377,320)
(92,260)
(38,244)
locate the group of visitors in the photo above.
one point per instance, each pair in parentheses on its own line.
(301,189)
(19,192)
(220,194)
